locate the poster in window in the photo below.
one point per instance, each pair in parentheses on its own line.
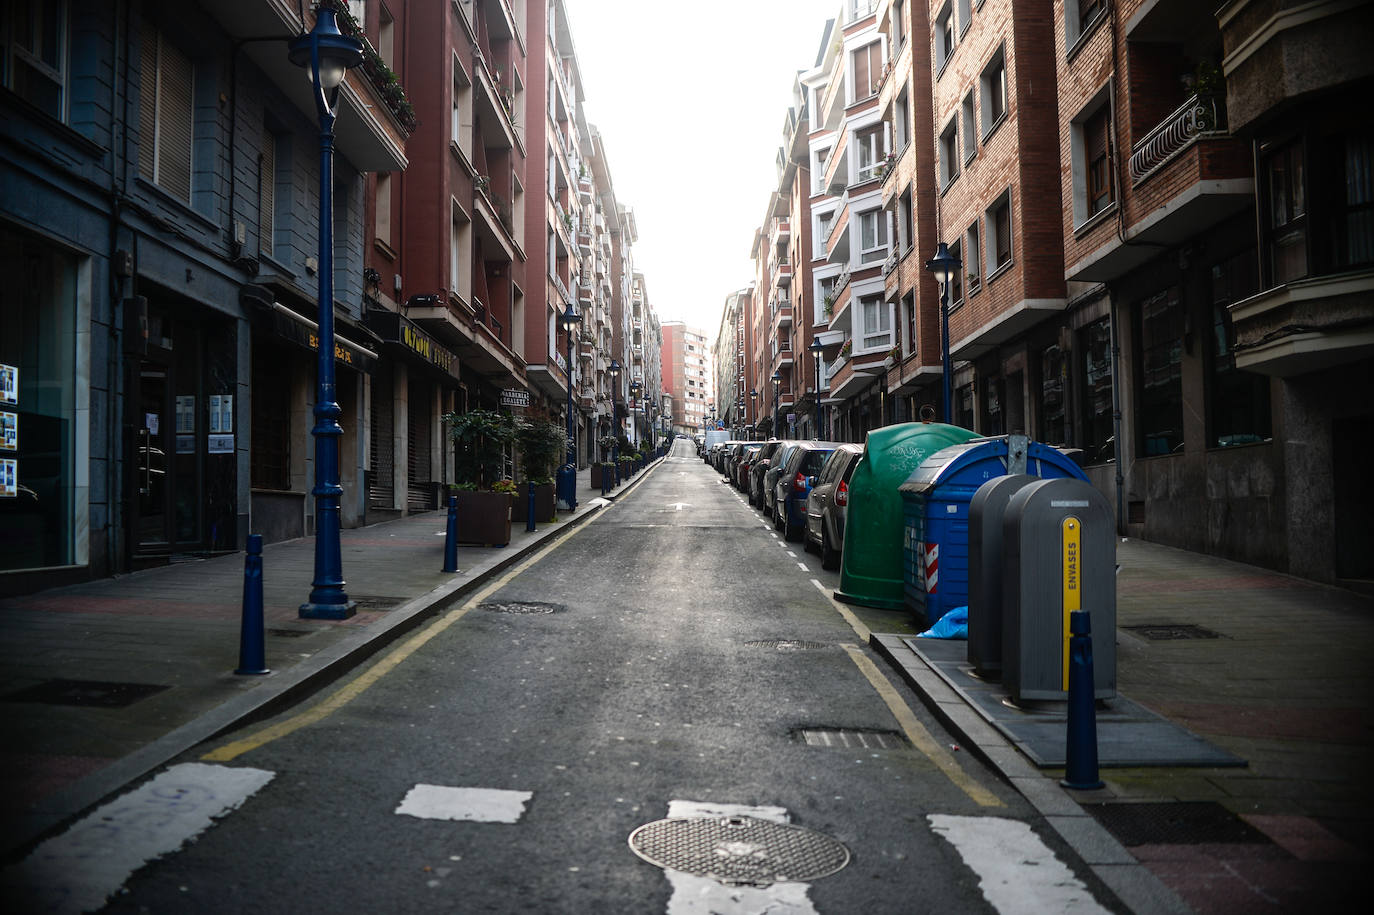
(9,431)
(219,444)
(9,383)
(186,413)
(9,478)
(226,412)
(214,414)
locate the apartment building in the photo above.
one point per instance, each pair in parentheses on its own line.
(1163,217)
(728,405)
(187,296)
(688,375)
(849,230)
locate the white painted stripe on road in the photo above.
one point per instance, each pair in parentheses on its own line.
(476,805)
(694,895)
(802,566)
(790,553)
(79,869)
(1017,873)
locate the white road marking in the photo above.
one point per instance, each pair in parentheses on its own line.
(693,895)
(802,566)
(790,553)
(476,805)
(1017,873)
(82,867)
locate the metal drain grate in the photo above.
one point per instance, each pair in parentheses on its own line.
(290,633)
(851,738)
(1174,823)
(93,693)
(786,644)
(520,606)
(739,850)
(1166,632)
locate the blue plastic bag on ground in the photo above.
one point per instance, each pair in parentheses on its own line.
(953,625)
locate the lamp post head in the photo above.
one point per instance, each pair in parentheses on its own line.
(816,346)
(943,265)
(326,54)
(570,318)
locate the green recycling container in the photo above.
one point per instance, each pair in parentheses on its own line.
(871,568)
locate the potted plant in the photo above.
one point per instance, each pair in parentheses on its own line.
(846,348)
(543,445)
(480,439)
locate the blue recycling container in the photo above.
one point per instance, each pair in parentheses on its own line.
(935,501)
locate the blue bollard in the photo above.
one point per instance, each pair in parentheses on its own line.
(451,537)
(529,515)
(1080,769)
(252,636)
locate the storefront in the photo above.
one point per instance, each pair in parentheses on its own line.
(43,399)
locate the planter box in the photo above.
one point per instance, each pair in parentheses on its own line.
(544,503)
(483,518)
(596,476)
(626,468)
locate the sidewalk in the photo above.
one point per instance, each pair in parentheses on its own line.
(1273,669)
(104,681)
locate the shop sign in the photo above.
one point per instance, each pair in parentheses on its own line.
(514,397)
(396,329)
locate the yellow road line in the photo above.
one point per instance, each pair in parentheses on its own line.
(859,628)
(916,732)
(358,685)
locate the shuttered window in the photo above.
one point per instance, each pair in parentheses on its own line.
(1098,165)
(165,115)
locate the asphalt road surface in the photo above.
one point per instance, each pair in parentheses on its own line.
(673,659)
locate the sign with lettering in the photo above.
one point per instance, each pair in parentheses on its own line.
(514,397)
(402,333)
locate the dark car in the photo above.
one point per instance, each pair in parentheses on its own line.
(770,477)
(794,485)
(827,504)
(758,468)
(740,477)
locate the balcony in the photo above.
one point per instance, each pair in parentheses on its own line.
(564,296)
(1197,117)
(782,233)
(782,315)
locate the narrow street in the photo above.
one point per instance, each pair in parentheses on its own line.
(673,658)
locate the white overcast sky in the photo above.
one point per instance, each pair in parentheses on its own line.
(690,99)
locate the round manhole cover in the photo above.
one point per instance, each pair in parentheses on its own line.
(739,850)
(519,606)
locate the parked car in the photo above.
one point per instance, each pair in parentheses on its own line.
(794,485)
(740,479)
(770,477)
(826,505)
(732,459)
(758,468)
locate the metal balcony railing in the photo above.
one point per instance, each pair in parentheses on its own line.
(1194,118)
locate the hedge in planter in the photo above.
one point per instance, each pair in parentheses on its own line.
(480,439)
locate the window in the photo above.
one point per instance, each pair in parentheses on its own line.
(35,53)
(822,157)
(965,16)
(973,250)
(956,286)
(165,115)
(898,25)
(1160,396)
(1286,217)
(869,145)
(825,298)
(1238,402)
(267,192)
(384,208)
(944,37)
(949,153)
(1090,146)
(1053,370)
(993,89)
(909,310)
(1352,210)
(1099,436)
(877,322)
(460,254)
(271,419)
(997,222)
(970,127)
(868,70)
(872,236)
(901,122)
(1079,17)
(906,228)
(460,121)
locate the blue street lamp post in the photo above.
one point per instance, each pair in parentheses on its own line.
(815,349)
(944,265)
(567,474)
(614,371)
(777,405)
(327,54)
